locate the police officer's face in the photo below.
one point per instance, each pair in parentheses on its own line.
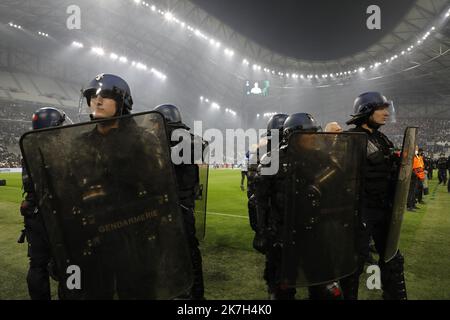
(380,116)
(102,108)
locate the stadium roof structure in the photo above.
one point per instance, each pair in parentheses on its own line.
(202,55)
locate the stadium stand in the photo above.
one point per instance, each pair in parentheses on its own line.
(15,120)
(433,136)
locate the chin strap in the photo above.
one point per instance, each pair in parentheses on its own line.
(373,125)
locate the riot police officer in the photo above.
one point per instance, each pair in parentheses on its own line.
(271,201)
(188,180)
(371,113)
(275,123)
(38,278)
(442,169)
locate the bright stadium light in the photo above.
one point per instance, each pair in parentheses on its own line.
(123,59)
(137,1)
(215,106)
(229,52)
(153,8)
(114,56)
(77,44)
(141,66)
(98,51)
(169,16)
(201,98)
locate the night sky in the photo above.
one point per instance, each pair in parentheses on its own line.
(313,29)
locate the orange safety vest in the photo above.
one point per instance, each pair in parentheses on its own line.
(419,167)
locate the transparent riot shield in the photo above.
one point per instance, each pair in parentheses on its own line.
(324,175)
(201,190)
(108,196)
(401,193)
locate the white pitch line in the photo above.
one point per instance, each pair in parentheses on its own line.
(227,215)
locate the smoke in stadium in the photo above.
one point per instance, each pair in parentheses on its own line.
(348,100)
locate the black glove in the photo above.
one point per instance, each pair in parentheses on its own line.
(260,243)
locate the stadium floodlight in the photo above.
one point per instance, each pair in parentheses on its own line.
(229,52)
(123,59)
(153,8)
(137,1)
(214,105)
(218,44)
(302,76)
(169,16)
(98,51)
(207,100)
(114,56)
(361,69)
(77,44)
(14,25)
(158,74)
(201,98)
(141,66)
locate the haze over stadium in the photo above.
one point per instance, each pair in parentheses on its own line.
(230,64)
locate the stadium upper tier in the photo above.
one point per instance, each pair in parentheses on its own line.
(38,89)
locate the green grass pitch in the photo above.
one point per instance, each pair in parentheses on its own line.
(232,269)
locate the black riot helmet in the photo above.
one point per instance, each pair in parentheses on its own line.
(365,105)
(276,123)
(113,87)
(171,114)
(47,117)
(300,122)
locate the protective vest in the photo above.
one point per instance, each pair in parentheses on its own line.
(419,167)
